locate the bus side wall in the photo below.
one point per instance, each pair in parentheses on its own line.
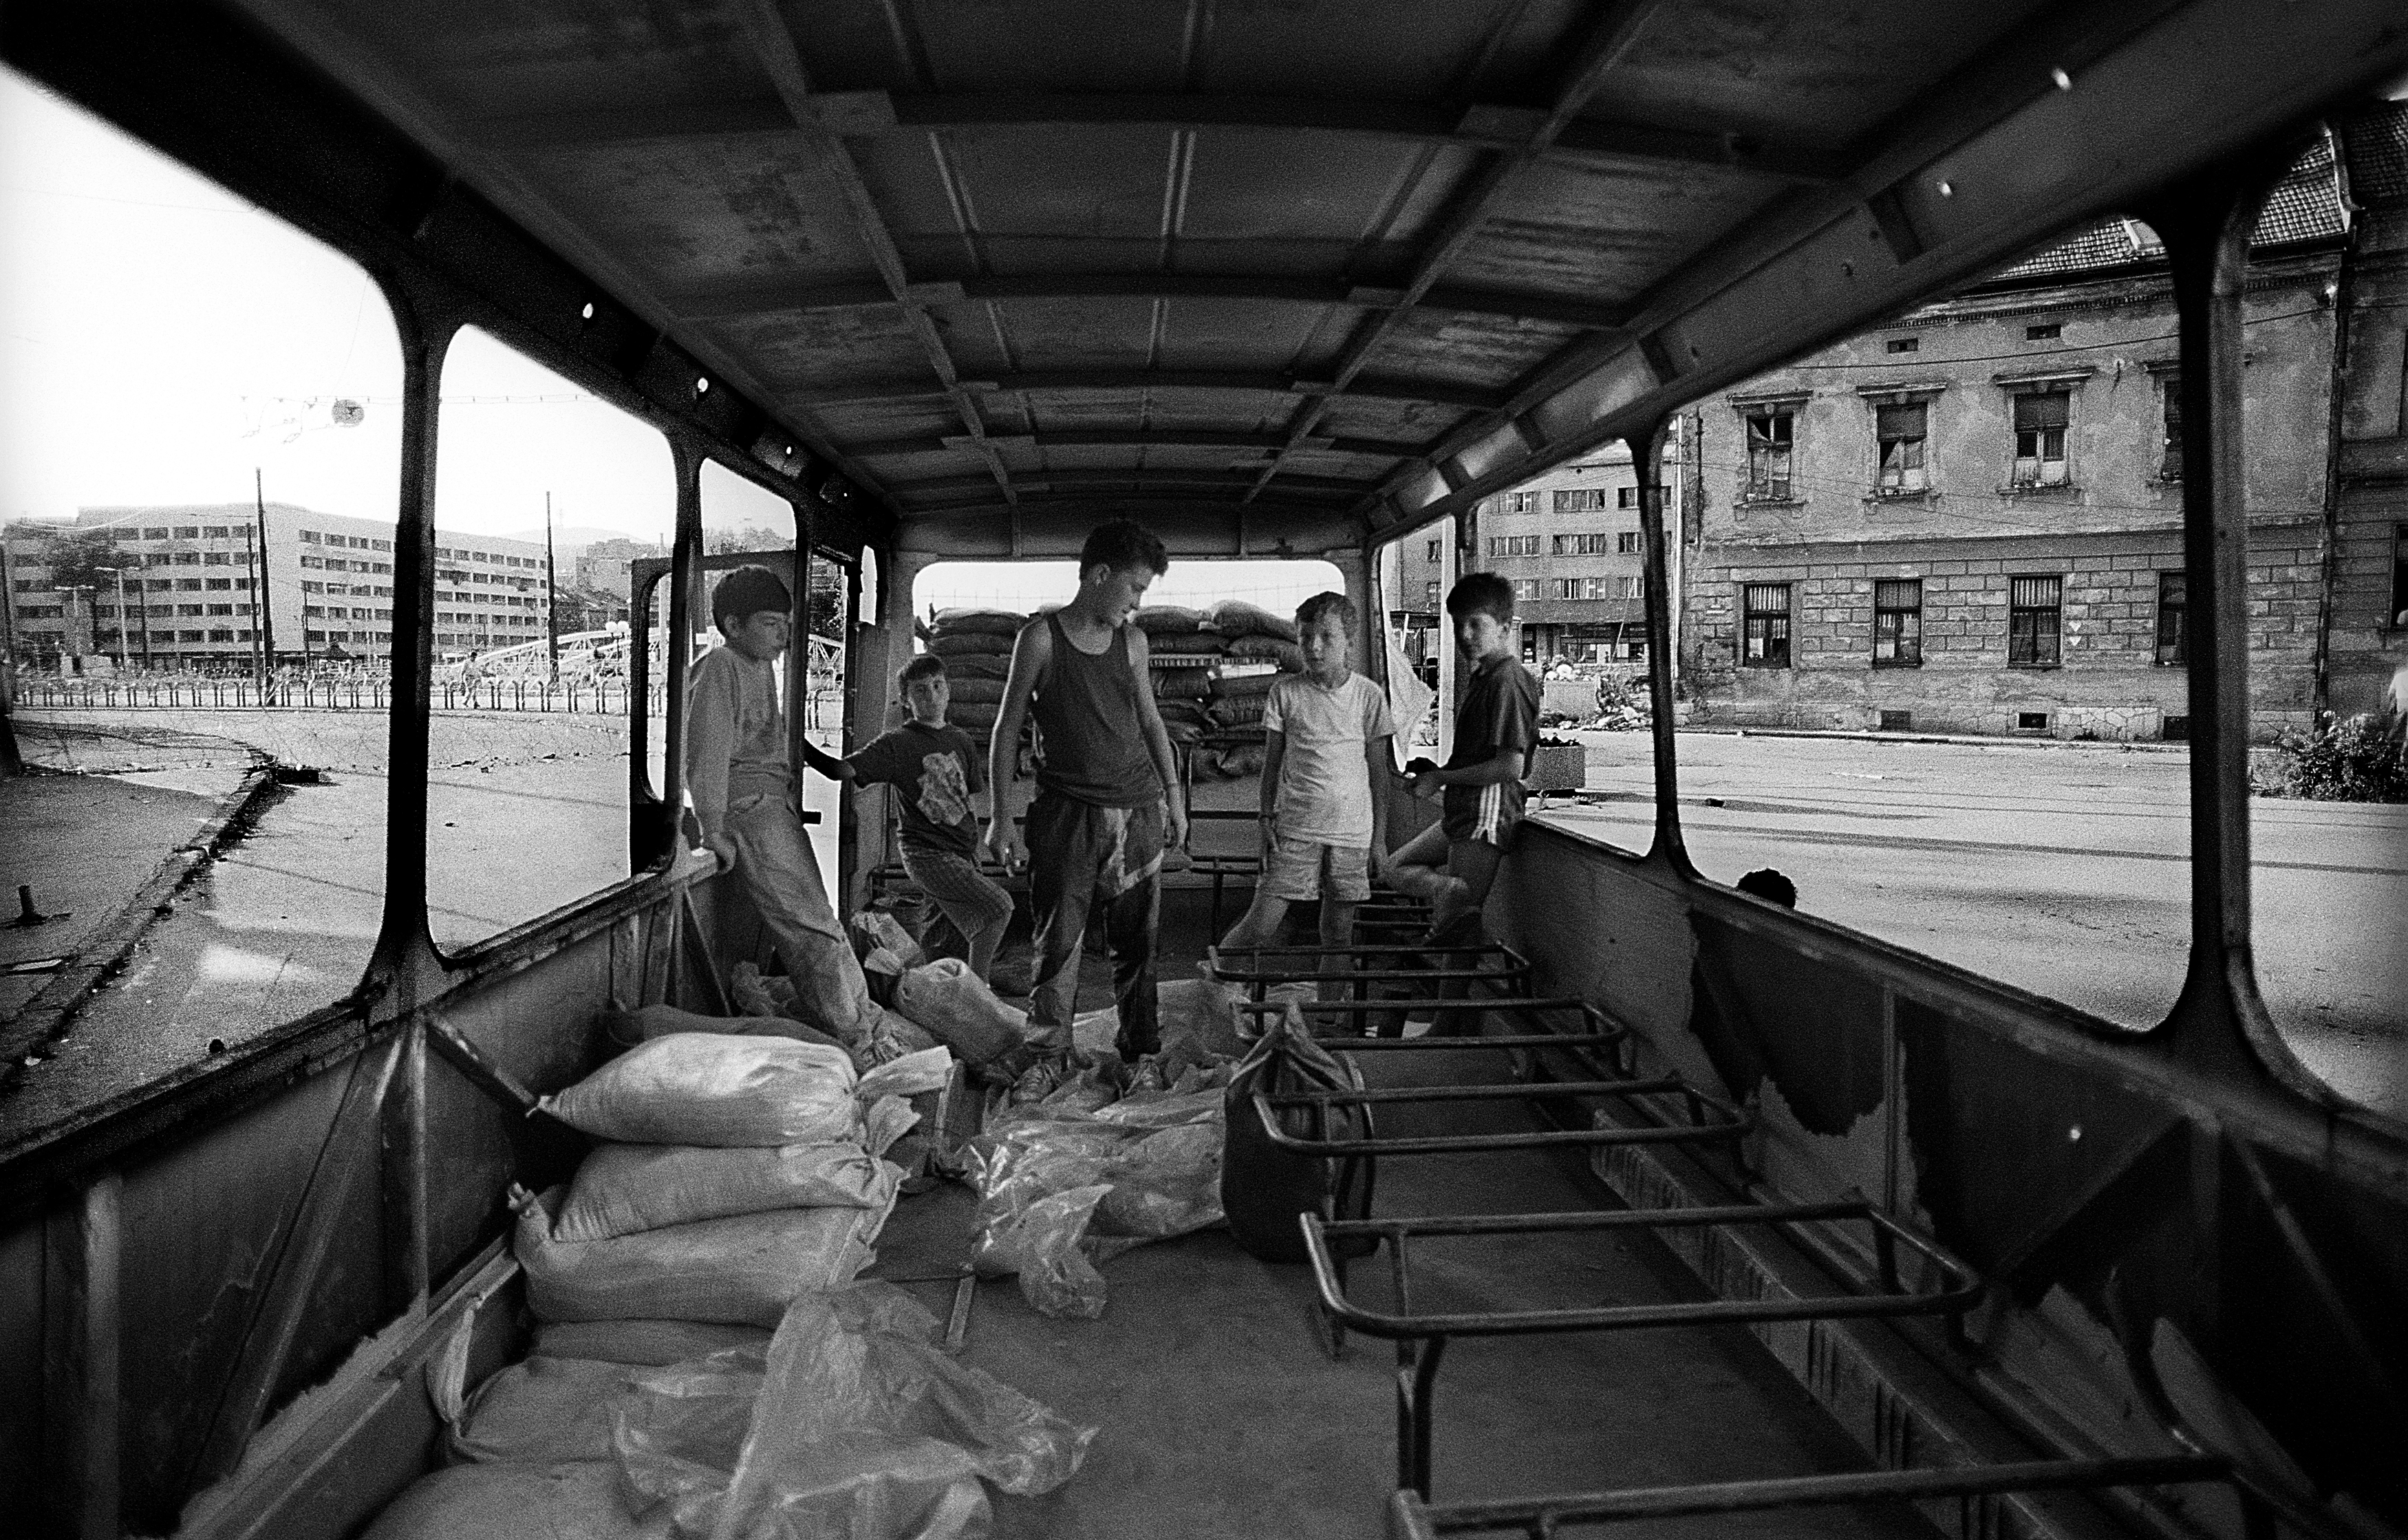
(2119,1221)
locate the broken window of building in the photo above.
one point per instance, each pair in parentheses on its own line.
(1626,497)
(1901,430)
(1512,545)
(1517,502)
(2173,593)
(1771,438)
(1898,622)
(2041,419)
(1627,542)
(2170,459)
(1765,642)
(2034,616)
(1581,499)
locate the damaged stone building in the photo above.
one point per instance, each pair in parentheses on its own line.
(1969,521)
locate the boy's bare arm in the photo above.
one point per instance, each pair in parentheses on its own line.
(1498,768)
(1030,653)
(1377,757)
(710,744)
(1274,755)
(1157,738)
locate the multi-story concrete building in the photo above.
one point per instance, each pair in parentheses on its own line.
(1570,544)
(1971,520)
(602,567)
(189,576)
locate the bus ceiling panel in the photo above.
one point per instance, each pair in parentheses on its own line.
(1138,482)
(1104,183)
(1228,334)
(1040,335)
(1470,351)
(1608,236)
(794,350)
(691,213)
(1189,528)
(1817,75)
(1356,417)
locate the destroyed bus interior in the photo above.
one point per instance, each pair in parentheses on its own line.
(470,1071)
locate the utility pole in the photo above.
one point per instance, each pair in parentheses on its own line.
(123,662)
(551,591)
(260,599)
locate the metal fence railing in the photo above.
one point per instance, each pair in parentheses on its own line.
(603,698)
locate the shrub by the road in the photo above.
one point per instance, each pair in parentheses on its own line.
(2361,759)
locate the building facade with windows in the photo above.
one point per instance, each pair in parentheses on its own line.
(1570,544)
(1971,520)
(191,599)
(2367,635)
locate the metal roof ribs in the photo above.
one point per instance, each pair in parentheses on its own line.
(873,114)
(773,43)
(1084,380)
(1601,45)
(1138,438)
(759,297)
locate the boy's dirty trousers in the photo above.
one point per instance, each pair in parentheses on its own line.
(1078,854)
(781,873)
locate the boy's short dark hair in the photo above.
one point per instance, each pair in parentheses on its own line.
(1331,602)
(749,590)
(927,665)
(1771,886)
(1482,592)
(1122,544)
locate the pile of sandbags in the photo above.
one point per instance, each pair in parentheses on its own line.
(736,1172)
(976,644)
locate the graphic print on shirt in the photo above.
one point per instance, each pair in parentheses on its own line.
(944,788)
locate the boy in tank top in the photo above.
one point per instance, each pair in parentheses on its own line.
(1107,788)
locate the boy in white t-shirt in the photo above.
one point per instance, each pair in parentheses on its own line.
(1327,750)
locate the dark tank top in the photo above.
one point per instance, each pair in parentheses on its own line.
(1086,712)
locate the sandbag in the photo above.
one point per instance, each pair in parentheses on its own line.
(1258,648)
(958,1008)
(745,1269)
(622,1188)
(970,644)
(771,996)
(541,1411)
(648,1342)
(714,1088)
(976,718)
(1185,644)
(1154,618)
(1181,684)
(963,619)
(878,928)
(1236,617)
(977,666)
(858,1426)
(1236,710)
(1263,1187)
(577,1500)
(971,690)
(1233,686)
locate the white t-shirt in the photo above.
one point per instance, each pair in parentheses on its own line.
(1324,791)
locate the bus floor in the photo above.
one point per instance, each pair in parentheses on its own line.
(1222,1415)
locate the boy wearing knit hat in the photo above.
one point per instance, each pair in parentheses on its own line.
(742,785)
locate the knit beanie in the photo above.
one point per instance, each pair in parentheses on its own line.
(749,590)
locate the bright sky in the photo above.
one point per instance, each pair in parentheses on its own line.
(159,338)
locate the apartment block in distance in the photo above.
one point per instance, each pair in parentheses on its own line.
(189,602)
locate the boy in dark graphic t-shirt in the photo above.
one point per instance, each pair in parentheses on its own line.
(935,768)
(1453,863)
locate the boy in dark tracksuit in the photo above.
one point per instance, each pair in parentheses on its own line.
(935,768)
(1453,863)
(1107,792)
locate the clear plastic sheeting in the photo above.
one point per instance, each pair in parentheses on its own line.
(1074,1179)
(857,1427)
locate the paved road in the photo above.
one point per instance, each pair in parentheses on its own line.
(2061,868)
